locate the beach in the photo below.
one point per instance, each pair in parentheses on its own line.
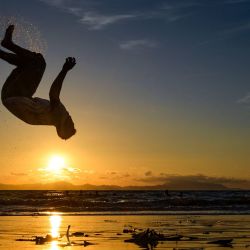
(112,231)
(120,220)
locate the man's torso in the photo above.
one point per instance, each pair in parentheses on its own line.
(35,111)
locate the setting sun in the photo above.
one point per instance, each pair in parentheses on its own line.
(56,163)
(57,167)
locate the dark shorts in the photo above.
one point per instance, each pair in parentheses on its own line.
(24,79)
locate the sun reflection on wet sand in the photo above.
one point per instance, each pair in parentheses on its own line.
(55,223)
(54,245)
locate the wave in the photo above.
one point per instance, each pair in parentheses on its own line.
(124,202)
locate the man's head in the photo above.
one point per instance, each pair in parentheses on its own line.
(66,129)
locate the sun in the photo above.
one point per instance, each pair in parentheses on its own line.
(56,164)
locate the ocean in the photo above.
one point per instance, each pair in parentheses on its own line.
(124,202)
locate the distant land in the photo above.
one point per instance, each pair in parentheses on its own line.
(68,186)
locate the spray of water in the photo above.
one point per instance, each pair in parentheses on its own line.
(25,34)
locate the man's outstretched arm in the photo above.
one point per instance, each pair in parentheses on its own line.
(55,89)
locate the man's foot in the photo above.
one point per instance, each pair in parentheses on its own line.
(8,36)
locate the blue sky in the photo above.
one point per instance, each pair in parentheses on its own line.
(184,51)
(159,79)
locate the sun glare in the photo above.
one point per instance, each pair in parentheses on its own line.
(56,163)
(55,222)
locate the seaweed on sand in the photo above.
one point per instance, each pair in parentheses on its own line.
(149,239)
(222,242)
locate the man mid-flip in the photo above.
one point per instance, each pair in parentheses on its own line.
(20,86)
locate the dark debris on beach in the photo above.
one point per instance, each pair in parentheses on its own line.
(150,238)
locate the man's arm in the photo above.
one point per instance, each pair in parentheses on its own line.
(55,89)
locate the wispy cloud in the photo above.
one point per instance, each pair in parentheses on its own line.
(178,10)
(236,29)
(245,99)
(56,3)
(181,5)
(236,1)
(229,33)
(110,175)
(97,21)
(148,173)
(65,173)
(19,174)
(94,18)
(137,44)
(75,11)
(233,29)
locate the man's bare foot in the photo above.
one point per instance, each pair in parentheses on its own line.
(8,36)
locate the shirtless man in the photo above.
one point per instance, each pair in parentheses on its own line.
(19,88)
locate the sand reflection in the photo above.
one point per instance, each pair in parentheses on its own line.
(55,223)
(54,245)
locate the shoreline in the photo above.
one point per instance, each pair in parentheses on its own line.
(128,213)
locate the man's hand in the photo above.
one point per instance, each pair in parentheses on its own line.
(69,63)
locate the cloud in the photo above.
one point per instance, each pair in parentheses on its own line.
(148,173)
(87,171)
(92,19)
(70,170)
(91,15)
(126,175)
(178,5)
(240,28)
(228,33)
(245,99)
(56,3)
(195,181)
(177,10)
(75,11)
(19,174)
(138,44)
(236,1)
(103,177)
(110,175)
(64,173)
(97,21)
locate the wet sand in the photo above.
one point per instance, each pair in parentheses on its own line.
(106,232)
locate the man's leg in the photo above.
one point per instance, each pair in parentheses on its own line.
(10,45)
(24,80)
(10,57)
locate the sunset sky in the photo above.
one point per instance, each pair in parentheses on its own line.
(161,89)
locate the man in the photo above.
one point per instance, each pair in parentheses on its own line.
(20,86)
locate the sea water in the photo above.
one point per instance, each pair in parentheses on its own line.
(124,202)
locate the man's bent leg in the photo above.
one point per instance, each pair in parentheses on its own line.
(22,82)
(10,57)
(7,43)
